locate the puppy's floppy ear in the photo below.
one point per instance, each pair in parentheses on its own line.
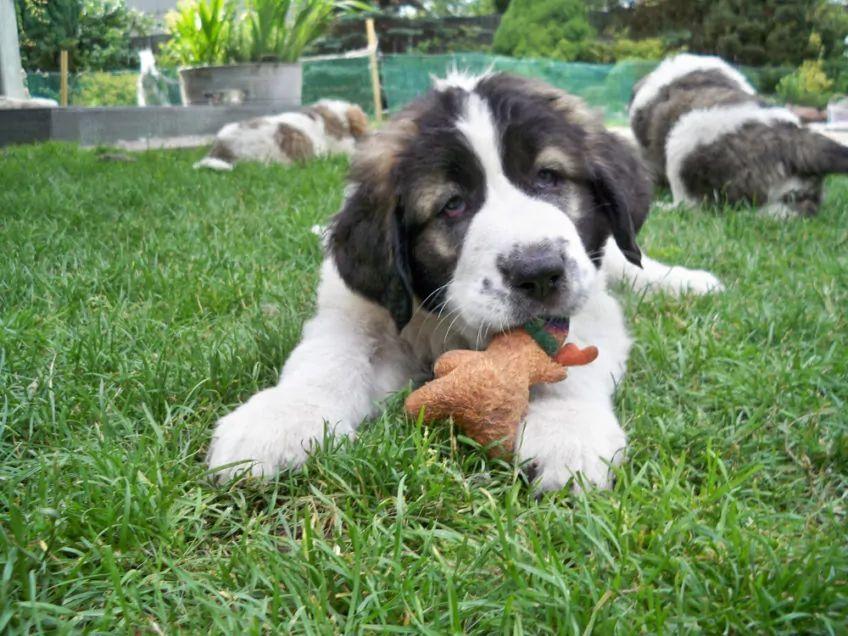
(367,238)
(621,189)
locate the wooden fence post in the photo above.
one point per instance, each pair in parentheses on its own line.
(63,78)
(375,71)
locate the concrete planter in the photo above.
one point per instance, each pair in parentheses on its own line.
(259,83)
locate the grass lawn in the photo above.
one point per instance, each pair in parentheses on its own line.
(140,301)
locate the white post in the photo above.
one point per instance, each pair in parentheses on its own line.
(11,73)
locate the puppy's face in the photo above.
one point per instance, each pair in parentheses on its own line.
(488,200)
(796,196)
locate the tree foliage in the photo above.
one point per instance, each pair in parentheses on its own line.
(757,33)
(459,7)
(96,33)
(441,8)
(545,28)
(752,32)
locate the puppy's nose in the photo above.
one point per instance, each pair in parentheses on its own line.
(537,271)
(807,207)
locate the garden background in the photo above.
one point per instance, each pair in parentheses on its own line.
(793,50)
(140,300)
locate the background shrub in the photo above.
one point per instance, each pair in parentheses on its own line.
(647,49)
(748,32)
(106,89)
(809,85)
(545,28)
(766,78)
(623,48)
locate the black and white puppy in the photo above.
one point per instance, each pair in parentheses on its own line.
(702,128)
(484,204)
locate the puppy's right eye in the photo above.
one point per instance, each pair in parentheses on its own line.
(454,208)
(547,179)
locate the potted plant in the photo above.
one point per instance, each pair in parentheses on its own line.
(247,51)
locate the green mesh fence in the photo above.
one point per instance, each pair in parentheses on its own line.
(99,88)
(604,86)
(348,79)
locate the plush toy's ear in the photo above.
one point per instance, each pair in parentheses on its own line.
(621,189)
(367,239)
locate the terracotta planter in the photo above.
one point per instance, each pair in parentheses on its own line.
(261,83)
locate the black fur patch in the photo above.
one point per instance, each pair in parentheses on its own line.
(371,255)
(378,243)
(439,153)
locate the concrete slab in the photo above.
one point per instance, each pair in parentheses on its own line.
(109,126)
(166,143)
(24,126)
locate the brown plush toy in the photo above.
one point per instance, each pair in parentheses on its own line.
(487,392)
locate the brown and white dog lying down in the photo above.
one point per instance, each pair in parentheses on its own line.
(487,202)
(703,129)
(328,127)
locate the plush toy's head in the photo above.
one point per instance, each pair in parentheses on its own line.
(487,392)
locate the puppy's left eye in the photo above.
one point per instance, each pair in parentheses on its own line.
(547,179)
(454,208)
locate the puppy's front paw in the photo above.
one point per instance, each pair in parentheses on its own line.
(269,433)
(698,281)
(560,443)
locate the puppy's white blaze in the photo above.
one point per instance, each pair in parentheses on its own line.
(508,220)
(676,67)
(704,126)
(480,131)
(455,78)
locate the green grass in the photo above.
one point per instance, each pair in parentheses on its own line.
(140,301)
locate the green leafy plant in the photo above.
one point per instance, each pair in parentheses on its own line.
(279,30)
(200,31)
(205,32)
(809,85)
